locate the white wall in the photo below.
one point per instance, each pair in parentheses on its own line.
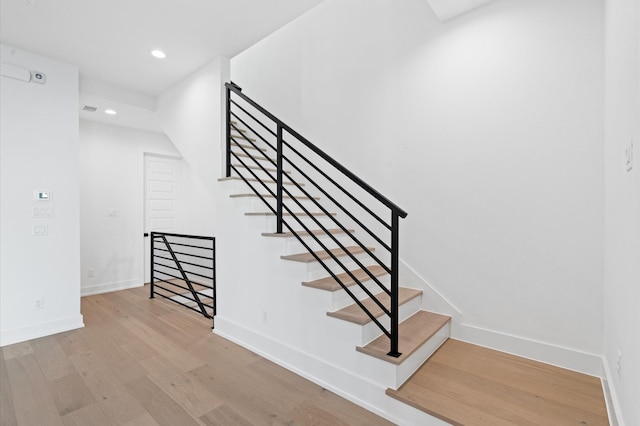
(111,172)
(487,129)
(39,152)
(622,206)
(192,115)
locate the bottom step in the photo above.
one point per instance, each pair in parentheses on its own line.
(414,332)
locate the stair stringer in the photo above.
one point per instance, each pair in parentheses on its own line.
(263,306)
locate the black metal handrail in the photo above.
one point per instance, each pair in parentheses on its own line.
(252,129)
(175,272)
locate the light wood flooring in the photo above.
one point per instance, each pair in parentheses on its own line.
(465,384)
(151,362)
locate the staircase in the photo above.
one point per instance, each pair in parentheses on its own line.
(332,228)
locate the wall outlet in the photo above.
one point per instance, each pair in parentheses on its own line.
(40,230)
(90,274)
(619,362)
(38,304)
(264,317)
(628,153)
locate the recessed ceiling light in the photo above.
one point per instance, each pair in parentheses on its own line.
(158,54)
(110,112)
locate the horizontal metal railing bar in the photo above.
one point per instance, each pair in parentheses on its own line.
(196,237)
(182,304)
(257,163)
(173,243)
(335,259)
(251,128)
(346,211)
(377,195)
(336,184)
(184,261)
(185,270)
(252,117)
(255,177)
(335,277)
(182,253)
(353,238)
(341,246)
(188,289)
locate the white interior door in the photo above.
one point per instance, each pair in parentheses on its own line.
(162,200)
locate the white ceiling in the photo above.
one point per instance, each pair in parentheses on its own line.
(110,40)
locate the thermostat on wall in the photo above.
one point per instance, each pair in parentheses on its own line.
(42,195)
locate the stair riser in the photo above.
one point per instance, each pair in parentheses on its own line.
(341,299)
(407,368)
(316,271)
(271,223)
(255,204)
(294,246)
(371,331)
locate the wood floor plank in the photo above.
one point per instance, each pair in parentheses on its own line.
(187,392)
(70,393)
(52,359)
(90,415)
(347,412)
(16,350)
(120,362)
(31,398)
(307,413)
(164,410)
(144,420)
(468,384)
(224,415)
(161,344)
(7,412)
(115,379)
(111,394)
(72,342)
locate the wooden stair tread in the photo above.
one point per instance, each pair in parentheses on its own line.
(255,157)
(299,214)
(243,137)
(330,284)
(270,196)
(245,146)
(223,179)
(354,313)
(413,332)
(308,257)
(316,232)
(268,169)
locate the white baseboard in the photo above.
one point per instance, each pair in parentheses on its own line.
(40,330)
(559,356)
(611,396)
(109,287)
(342,382)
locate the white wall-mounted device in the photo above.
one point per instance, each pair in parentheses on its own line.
(21,74)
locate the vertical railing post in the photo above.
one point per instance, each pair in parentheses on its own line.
(151,289)
(215,297)
(394,352)
(279,182)
(228,153)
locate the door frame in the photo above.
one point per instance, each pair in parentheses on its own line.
(142,153)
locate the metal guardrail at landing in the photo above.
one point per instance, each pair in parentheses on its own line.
(183,270)
(265,153)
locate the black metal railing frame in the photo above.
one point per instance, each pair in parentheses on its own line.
(252,162)
(183,263)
